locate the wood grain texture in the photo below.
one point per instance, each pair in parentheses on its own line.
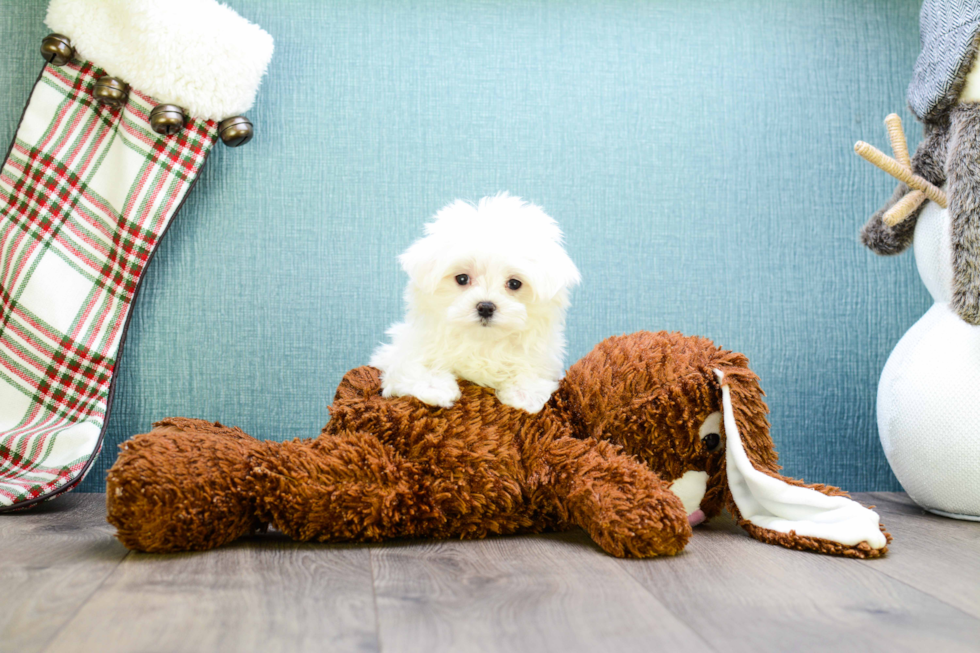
(267,594)
(67,585)
(554,592)
(52,560)
(741,595)
(936,555)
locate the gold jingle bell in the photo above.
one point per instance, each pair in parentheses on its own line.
(167,119)
(56,49)
(235,131)
(111,91)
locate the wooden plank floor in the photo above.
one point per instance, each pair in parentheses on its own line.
(67,585)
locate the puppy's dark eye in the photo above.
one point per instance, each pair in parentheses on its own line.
(711,441)
(514,284)
(462,279)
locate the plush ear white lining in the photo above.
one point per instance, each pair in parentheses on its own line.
(771,503)
(197,54)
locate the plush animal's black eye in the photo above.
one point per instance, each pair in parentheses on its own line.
(462,279)
(711,441)
(514,284)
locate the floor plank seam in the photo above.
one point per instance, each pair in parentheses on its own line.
(374,599)
(82,603)
(870,564)
(691,628)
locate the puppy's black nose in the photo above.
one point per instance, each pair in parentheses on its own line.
(485,309)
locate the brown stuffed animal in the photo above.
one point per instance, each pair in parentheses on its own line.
(635,415)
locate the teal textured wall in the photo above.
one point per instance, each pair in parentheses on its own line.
(697,154)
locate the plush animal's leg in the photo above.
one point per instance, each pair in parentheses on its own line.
(626,508)
(182,487)
(347,486)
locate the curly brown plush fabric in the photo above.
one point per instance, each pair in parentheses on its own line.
(601,454)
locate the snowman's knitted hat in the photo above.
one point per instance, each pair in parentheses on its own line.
(949,32)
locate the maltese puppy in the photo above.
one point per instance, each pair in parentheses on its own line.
(486,299)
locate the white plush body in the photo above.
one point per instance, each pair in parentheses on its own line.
(929,392)
(518,350)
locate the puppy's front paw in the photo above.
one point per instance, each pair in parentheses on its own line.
(439,392)
(527,394)
(435,389)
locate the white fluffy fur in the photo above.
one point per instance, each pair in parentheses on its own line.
(197,54)
(520,350)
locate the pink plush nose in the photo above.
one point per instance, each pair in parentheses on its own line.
(696,517)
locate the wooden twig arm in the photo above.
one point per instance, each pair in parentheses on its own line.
(904,208)
(896,136)
(898,171)
(901,168)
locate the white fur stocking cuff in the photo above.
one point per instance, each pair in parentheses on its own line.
(197,54)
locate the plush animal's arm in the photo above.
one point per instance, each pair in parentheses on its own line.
(963,165)
(623,505)
(929,162)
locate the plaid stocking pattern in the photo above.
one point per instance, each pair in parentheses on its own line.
(86,193)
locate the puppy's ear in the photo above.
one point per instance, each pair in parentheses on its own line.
(776,509)
(422,262)
(430,258)
(552,272)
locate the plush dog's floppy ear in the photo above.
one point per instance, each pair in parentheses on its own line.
(776,509)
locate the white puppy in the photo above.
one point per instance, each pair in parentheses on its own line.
(486,300)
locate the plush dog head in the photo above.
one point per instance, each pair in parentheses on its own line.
(490,268)
(695,413)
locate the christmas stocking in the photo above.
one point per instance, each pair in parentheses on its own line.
(115,133)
